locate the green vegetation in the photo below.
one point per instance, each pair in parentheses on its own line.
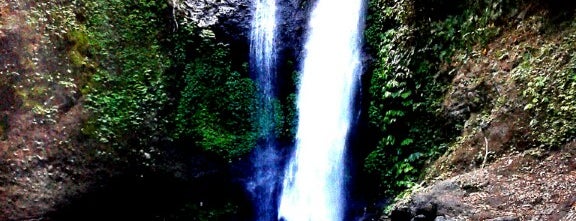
(418,47)
(548,72)
(216,103)
(128,89)
(151,83)
(411,40)
(146,83)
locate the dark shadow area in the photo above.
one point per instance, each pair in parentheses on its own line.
(364,202)
(206,191)
(125,197)
(560,10)
(7,97)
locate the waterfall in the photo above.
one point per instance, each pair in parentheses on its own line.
(263,60)
(313,187)
(265,161)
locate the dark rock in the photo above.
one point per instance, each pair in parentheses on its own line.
(207,13)
(504,219)
(292,25)
(424,205)
(420,218)
(440,218)
(8,98)
(232,18)
(229,17)
(401,214)
(433,204)
(466,98)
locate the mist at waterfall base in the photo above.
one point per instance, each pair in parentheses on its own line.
(314,180)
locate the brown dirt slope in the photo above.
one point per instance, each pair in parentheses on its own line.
(41,111)
(524,186)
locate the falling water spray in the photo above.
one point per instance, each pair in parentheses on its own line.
(313,186)
(265,160)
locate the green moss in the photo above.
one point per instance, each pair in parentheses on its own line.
(78,39)
(126,91)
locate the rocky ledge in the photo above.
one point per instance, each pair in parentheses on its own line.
(206,13)
(231,19)
(531,185)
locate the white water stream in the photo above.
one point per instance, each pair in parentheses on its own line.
(263,55)
(314,178)
(265,161)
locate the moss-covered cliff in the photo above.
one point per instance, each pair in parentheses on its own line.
(473,86)
(98,91)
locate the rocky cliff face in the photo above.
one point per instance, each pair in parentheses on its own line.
(206,13)
(40,116)
(232,18)
(49,168)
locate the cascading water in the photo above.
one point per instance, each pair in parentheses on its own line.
(263,58)
(314,178)
(263,183)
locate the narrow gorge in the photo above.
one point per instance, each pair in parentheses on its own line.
(287,110)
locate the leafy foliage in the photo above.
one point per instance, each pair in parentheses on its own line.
(407,85)
(151,82)
(216,103)
(549,77)
(148,83)
(128,89)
